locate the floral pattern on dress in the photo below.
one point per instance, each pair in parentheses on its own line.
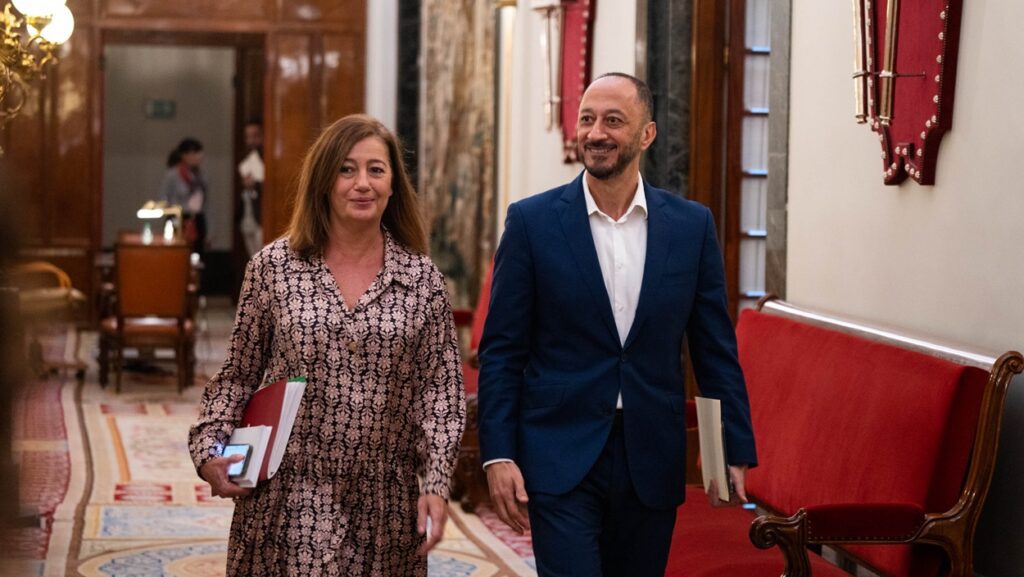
(384,407)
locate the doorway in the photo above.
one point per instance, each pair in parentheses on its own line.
(159,89)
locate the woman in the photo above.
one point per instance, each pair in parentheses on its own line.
(185,186)
(348,299)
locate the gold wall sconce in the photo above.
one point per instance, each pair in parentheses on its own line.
(32,30)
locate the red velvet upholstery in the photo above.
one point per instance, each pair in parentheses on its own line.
(864,522)
(710,542)
(867,437)
(839,419)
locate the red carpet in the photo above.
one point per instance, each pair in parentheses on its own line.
(40,448)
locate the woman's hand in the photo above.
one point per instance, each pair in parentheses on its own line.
(215,472)
(431,515)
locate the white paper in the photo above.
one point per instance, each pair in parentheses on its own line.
(252,166)
(712,445)
(195,202)
(290,407)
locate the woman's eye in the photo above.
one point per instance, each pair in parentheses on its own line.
(347,169)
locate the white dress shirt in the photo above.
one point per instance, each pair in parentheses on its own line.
(621,251)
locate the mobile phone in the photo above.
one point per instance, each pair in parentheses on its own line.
(238,469)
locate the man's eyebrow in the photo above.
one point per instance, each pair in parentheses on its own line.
(606,112)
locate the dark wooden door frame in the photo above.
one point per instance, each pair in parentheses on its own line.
(716,169)
(707,105)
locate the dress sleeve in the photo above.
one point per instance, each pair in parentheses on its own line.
(229,391)
(440,399)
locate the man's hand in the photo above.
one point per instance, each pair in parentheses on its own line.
(434,509)
(508,493)
(738,494)
(215,472)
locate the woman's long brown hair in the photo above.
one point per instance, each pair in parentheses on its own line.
(308,231)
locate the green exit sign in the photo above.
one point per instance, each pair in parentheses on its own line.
(160,108)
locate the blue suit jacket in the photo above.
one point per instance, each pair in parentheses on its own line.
(552,364)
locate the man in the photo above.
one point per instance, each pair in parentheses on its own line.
(582,408)
(251,171)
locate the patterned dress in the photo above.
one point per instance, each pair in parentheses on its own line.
(384,402)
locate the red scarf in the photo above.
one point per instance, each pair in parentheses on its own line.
(186,175)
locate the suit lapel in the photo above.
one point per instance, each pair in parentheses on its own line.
(659,246)
(576,226)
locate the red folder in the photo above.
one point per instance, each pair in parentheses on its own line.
(266,408)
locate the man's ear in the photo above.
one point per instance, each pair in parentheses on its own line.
(650,130)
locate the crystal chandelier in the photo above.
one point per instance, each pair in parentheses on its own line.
(32,31)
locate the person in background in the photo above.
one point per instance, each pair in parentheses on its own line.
(251,171)
(348,299)
(581,391)
(185,186)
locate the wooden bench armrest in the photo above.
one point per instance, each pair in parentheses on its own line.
(864,524)
(790,535)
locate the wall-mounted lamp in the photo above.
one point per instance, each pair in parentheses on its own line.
(32,30)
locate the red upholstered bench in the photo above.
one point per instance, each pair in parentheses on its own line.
(877,445)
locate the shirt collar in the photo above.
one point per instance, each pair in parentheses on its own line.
(400,264)
(639,199)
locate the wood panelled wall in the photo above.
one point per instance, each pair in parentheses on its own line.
(54,150)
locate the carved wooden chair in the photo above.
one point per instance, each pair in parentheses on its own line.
(152,307)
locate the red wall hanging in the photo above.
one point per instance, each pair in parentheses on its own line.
(904,80)
(576,59)
(566,35)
